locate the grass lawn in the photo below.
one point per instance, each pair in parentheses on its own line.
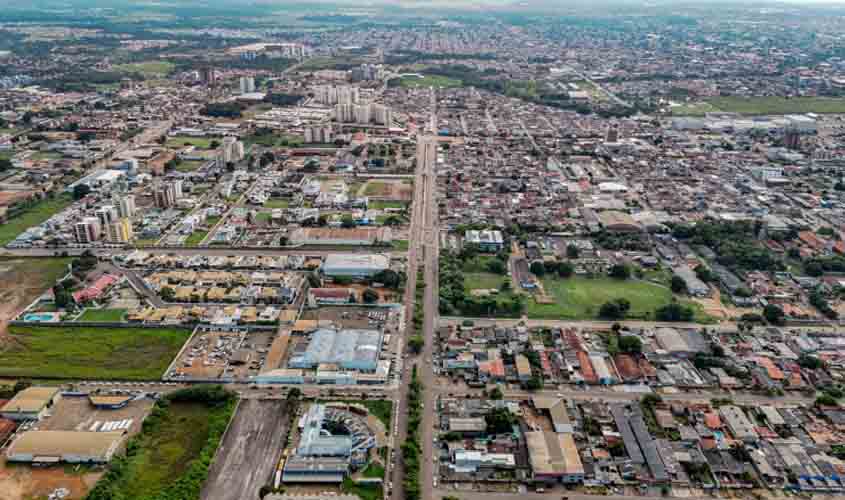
(277,203)
(263,216)
(483,281)
(145,242)
(381,205)
(147,68)
(778,105)
(189,165)
(364,491)
(166,451)
(106,315)
(401,245)
(581,298)
(180,141)
(33,216)
(693,109)
(376,188)
(373,471)
(45,155)
(195,238)
(380,408)
(429,81)
(90,353)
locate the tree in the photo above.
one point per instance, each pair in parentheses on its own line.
(496,266)
(631,345)
(5,164)
(538,268)
(826,400)
(267,158)
(347,222)
(651,400)
(499,421)
(416,344)
(496,393)
(21,385)
(774,314)
(61,297)
(535,383)
(167,294)
(705,274)
(620,272)
(370,296)
(81,191)
(615,309)
(572,251)
(389,278)
(674,312)
(810,362)
(565,269)
(678,284)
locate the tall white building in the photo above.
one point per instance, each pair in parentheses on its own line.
(233,149)
(126,206)
(318,134)
(247,85)
(363,114)
(334,94)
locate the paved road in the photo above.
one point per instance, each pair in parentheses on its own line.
(556,494)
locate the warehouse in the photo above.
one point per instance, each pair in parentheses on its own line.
(299,469)
(680,343)
(64,446)
(349,349)
(341,236)
(30,404)
(355,265)
(554,457)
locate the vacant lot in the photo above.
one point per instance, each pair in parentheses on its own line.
(196,238)
(248,455)
(778,105)
(21,482)
(31,277)
(483,281)
(166,452)
(102,315)
(34,215)
(89,353)
(149,69)
(429,81)
(581,298)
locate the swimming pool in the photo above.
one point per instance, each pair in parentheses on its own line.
(38,317)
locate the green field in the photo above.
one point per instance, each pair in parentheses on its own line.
(103,315)
(171,456)
(429,81)
(375,188)
(90,353)
(32,216)
(187,166)
(381,205)
(483,281)
(195,238)
(276,203)
(363,491)
(693,109)
(149,69)
(764,105)
(401,245)
(581,298)
(179,141)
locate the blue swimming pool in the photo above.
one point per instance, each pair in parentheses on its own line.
(38,317)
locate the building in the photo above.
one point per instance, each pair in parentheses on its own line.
(126,206)
(341,236)
(336,94)
(470,461)
(232,150)
(106,214)
(738,423)
(363,114)
(119,231)
(554,457)
(523,368)
(349,349)
(318,135)
(487,240)
(355,265)
(50,447)
(87,230)
(695,286)
(30,404)
(247,84)
(166,195)
(680,343)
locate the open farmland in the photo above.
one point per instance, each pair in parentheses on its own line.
(89,353)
